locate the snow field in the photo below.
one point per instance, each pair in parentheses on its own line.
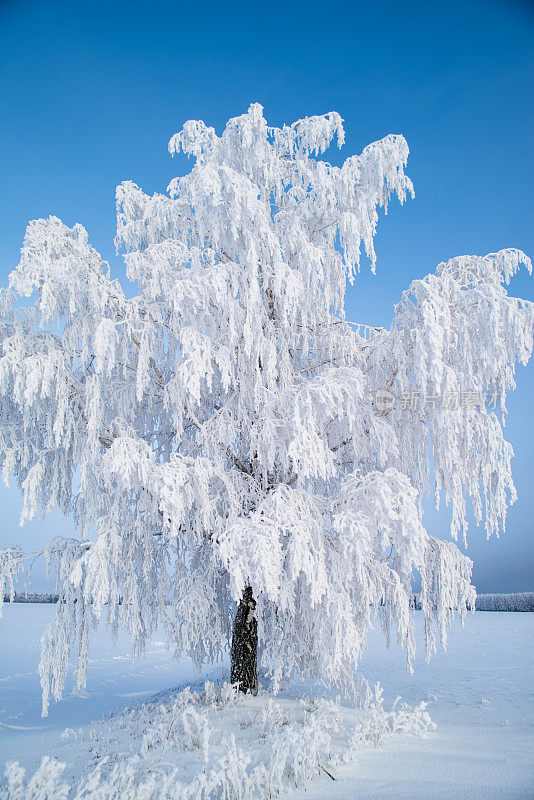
(179,743)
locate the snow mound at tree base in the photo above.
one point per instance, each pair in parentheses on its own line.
(214,743)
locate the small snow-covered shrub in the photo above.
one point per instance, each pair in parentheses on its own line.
(215,744)
(45,784)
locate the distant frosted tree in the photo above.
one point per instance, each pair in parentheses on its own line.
(225,436)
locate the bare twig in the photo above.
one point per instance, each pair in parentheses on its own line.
(328,773)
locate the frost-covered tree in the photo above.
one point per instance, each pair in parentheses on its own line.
(226,437)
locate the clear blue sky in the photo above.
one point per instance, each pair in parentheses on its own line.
(92,91)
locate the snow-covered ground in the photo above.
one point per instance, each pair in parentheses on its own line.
(483,746)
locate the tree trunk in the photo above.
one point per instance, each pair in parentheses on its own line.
(244,653)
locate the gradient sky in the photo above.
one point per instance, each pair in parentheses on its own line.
(92,91)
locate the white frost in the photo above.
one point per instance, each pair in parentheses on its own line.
(220,429)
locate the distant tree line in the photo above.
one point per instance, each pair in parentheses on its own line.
(519,601)
(33,597)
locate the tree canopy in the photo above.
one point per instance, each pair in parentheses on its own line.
(221,429)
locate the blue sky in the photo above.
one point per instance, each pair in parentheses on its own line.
(92,91)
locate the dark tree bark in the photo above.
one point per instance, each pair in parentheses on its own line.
(244,652)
